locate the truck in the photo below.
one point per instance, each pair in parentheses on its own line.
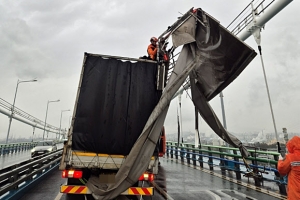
(115,98)
(117,132)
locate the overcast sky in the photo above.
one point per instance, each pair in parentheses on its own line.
(47,40)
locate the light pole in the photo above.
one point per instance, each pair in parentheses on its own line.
(46,115)
(60,120)
(13,106)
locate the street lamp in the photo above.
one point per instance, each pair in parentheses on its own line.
(46,115)
(13,106)
(60,120)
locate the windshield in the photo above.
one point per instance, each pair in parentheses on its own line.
(45,143)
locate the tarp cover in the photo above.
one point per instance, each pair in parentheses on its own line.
(116,98)
(223,57)
(216,53)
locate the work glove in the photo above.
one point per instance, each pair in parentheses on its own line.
(280,157)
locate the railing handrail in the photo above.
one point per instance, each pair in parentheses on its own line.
(229,159)
(10,180)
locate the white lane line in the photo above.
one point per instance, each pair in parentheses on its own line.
(217,197)
(243,195)
(160,190)
(59,195)
(226,195)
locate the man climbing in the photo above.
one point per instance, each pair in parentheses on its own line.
(152,48)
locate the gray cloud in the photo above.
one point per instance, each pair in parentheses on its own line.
(47,40)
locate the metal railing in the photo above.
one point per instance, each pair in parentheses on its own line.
(229,159)
(18,112)
(16,147)
(246,16)
(15,180)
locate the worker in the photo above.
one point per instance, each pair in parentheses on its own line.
(290,166)
(152,48)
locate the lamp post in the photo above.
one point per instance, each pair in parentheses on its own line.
(60,120)
(46,115)
(13,106)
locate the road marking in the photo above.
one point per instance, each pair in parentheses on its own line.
(59,195)
(226,195)
(217,197)
(243,195)
(160,190)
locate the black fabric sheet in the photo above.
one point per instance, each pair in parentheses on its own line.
(115,100)
(223,56)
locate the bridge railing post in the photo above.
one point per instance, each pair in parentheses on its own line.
(188,153)
(2,149)
(200,154)
(176,151)
(182,152)
(7,149)
(257,181)
(16,148)
(4,146)
(222,161)
(168,149)
(194,156)
(172,150)
(281,185)
(210,159)
(237,167)
(28,146)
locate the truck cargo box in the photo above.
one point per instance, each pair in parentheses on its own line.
(115,99)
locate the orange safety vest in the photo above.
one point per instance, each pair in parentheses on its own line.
(152,51)
(290,166)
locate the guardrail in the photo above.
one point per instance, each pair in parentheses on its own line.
(16,147)
(229,159)
(17,179)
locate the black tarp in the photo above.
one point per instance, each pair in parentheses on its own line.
(223,56)
(114,103)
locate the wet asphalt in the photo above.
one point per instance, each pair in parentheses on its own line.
(175,181)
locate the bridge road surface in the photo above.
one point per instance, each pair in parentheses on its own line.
(181,181)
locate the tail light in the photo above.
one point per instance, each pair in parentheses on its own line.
(72,174)
(146,177)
